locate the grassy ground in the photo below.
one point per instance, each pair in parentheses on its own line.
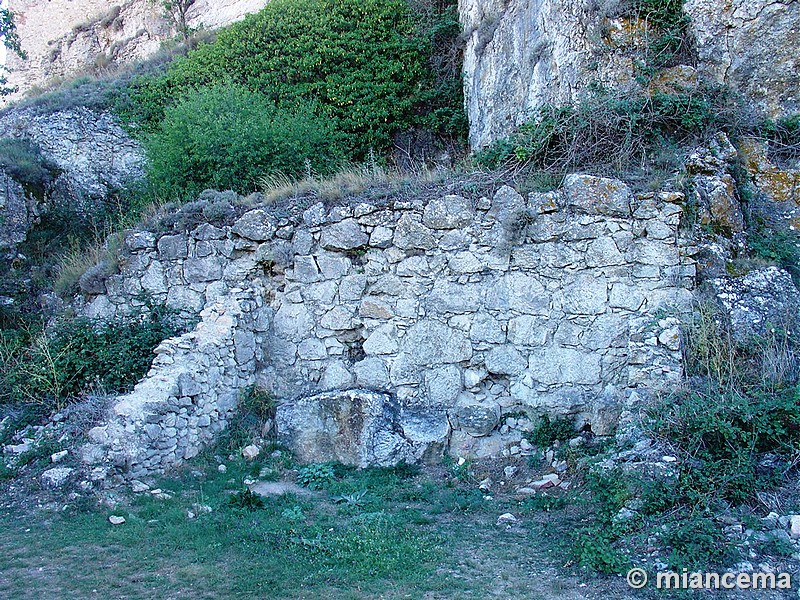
(367,534)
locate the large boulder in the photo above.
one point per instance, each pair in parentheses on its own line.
(759,302)
(360,427)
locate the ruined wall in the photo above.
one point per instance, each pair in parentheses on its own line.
(439,317)
(64,38)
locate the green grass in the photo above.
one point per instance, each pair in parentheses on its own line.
(407,534)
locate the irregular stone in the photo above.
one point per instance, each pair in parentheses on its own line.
(598,195)
(449,212)
(357,427)
(344,235)
(381,237)
(757,302)
(474,418)
(336,376)
(564,365)
(172,247)
(794,526)
(251,452)
(374,309)
(382,341)
(199,270)
(372,373)
(255,225)
(505,360)
(529,331)
(312,349)
(464,262)
(315,215)
(57,457)
(585,294)
(116,520)
(410,234)
(56,477)
(443,385)
(451,297)
(565,401)
(506,520)
(293,322)
(486,328)
(333,266)
(432,343)
(508,207)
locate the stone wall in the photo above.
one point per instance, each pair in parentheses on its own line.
(188,395)
(64,38)
(454,323)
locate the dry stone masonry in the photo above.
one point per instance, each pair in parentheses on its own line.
(402,331)
(187,397)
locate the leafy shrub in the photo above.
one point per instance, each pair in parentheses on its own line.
(228,137)
(257,400)
(247,500)
(543,502)
(52,367)
(697,543)
(24,162)
(547,431)
(316,476)
(671,41)
(365,63)
(594,548)
(721,438)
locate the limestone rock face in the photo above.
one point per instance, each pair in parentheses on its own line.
(66,37)
(759,303)
(751,45)
(93,152)
(522,54)
(17,213)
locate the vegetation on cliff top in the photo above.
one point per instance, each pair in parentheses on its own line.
(352,73)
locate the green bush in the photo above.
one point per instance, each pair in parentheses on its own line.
(697,543)
(258,401)
(365,63)
(721,438)
(229,137)
(24,162)
(671,41)
(316,476)
(547,431)
(594,548)
(53,367)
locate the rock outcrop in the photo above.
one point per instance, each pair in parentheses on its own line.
(93,153)
(521,54)
(393,331)
(64,38)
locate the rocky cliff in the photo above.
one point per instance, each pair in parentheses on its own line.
(521,54)
(64,38)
